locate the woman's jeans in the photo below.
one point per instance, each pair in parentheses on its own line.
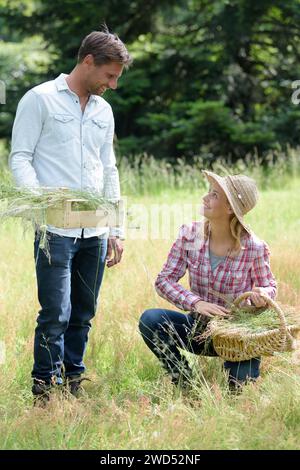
(68,288)
(165,331)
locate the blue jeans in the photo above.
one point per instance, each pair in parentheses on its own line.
(68,288)
(165,331)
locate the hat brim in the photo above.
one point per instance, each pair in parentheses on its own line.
(220,180)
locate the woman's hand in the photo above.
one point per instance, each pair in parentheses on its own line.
(211,310)
(256,298)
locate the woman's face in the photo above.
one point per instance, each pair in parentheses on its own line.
(215,203)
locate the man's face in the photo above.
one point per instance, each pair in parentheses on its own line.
(101,77)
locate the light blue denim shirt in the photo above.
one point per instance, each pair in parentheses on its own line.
(54,144)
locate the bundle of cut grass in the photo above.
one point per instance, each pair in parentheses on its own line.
(32,204)
(249,333)
(19,201)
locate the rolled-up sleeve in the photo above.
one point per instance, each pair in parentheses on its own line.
(26,132)
(174,269)
(261,273)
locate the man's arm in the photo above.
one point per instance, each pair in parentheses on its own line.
(25,135)
(111,174)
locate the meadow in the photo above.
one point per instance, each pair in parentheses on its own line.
(129,402)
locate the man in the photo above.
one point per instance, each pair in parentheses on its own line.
(63,137)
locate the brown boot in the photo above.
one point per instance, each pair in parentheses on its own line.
(74,385)
(41,392)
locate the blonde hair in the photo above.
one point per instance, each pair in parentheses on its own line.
(237,231)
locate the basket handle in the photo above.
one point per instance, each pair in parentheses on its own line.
(283,327)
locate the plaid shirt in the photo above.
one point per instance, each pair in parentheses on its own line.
(232,277)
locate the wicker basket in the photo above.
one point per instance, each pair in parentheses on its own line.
(237,346)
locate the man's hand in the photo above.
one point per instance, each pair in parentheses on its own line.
(256,298)
(114,251)
(211,310)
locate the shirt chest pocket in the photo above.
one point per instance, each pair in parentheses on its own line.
(237,281)
(198,271)
(64,127)
(97,130)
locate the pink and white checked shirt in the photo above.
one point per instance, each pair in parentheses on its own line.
(232,277)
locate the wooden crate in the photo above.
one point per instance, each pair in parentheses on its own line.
(65,216)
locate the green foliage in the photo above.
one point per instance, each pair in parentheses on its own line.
(22,65)
(208,77)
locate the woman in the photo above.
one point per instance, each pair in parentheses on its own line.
(224,258)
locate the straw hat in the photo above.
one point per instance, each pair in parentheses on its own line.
(241,192)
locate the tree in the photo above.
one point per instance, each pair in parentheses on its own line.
(210,77)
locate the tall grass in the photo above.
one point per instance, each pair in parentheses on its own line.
(130,404)
(143,174)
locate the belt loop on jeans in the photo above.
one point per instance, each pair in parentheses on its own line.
(82,234)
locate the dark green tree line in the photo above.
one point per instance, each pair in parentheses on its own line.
(210,77)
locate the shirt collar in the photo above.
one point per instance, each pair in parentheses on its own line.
(61,85)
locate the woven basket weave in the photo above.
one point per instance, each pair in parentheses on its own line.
(240,346)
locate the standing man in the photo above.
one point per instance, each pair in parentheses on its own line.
(63,137)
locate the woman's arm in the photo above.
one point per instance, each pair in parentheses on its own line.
(166,284)
(261,273)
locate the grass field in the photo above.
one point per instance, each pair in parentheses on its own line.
(130,404)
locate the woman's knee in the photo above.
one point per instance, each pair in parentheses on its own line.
(150,320)
(244,370)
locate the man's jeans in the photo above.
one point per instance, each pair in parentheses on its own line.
(165,331)
(68,288)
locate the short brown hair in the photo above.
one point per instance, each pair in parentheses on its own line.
(105,47)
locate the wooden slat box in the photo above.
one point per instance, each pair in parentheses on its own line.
(66,215)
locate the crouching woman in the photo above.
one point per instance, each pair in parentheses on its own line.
(224,258)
